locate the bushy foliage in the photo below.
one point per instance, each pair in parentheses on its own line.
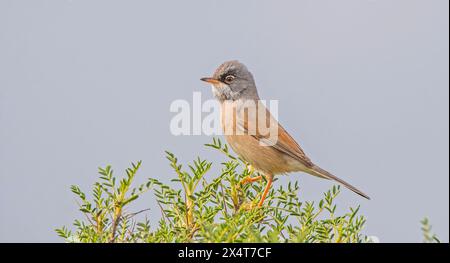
(222,209)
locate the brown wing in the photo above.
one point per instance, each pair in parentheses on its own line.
(283,142)
(289,146)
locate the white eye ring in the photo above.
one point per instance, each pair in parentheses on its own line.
(229,78)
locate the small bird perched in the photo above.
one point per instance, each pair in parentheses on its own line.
(234,87)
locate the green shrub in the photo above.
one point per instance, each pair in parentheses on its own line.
(204,210)
(428,236)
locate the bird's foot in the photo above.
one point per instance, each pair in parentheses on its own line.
(249,179)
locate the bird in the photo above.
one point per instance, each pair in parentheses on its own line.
(233,85)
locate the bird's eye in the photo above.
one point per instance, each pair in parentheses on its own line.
(229,78)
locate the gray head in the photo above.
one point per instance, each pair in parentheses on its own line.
(233,81)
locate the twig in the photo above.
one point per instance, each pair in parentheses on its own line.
(166,218)
(136,213)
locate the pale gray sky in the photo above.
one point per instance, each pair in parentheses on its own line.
(363,86)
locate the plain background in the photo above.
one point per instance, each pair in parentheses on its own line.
(363,86)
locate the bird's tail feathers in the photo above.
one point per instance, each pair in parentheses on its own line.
(317,171)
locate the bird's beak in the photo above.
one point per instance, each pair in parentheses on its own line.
(210,80)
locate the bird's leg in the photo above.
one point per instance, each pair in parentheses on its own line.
(266,190)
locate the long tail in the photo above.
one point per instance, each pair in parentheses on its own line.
(317,171)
